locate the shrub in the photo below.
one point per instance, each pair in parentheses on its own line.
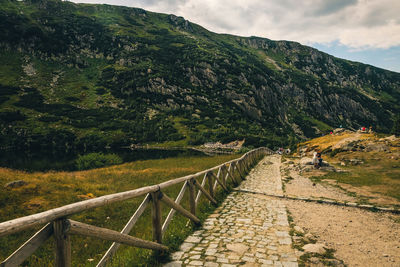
(97,160)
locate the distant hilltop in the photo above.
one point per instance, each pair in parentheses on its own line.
(79,77)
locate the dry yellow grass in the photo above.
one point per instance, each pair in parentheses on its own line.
(378,176)
(60,188)
(326,141)
(46,190)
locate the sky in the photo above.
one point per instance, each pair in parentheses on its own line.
(366,31)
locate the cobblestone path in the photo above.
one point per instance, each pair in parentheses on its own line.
(247,230)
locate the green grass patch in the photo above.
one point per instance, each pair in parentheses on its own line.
(97,160)
(379,173)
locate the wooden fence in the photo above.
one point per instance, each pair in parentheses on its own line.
(60,227)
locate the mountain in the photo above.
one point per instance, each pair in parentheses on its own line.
(79,77)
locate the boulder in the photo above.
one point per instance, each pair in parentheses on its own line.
(390,138)
(315,261)
(355,162)
(338,130)
(325,164)
(306,161)
(298,229)
(15,184)
(377,148)
(307,168)
(309,237)
(334,262)
(314,248)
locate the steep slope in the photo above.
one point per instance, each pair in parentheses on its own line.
(81,77)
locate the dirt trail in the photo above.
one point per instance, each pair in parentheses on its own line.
(303,187)
(360,237)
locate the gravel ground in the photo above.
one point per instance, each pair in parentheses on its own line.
(360,237)
(303,187)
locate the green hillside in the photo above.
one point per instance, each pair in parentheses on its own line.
(79,77)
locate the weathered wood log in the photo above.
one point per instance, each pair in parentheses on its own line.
(78,228)
(225,175)
(192,196)
(205,192)
(30,246)
(220,182)
(219,176)
(237,168)
(172,211)
(230,174)
(23,223)
(203,183)
(215,185)
(210,183)
(242,174)
(164,198)
(62,243)
(126,230)
(156,217)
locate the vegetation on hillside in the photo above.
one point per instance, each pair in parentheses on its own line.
(78,78)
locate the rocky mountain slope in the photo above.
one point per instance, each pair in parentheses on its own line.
(81,77)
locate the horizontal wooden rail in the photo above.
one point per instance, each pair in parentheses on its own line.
(61,228)
(23,223)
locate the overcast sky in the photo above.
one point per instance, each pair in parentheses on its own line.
(361,30)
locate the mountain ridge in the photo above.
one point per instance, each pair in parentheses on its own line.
(89,76)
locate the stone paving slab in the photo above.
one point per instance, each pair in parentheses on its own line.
(247,229)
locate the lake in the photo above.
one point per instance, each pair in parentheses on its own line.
(45,162)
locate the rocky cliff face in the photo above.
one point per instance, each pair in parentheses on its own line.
(117,75)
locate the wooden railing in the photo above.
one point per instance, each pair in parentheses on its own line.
(59,226)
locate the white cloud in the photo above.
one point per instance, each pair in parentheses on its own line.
(355,23)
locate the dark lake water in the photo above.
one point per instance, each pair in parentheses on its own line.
(45,162)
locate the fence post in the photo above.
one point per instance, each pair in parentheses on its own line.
(246,162)
(156,217)
(62,243)
(233,173)
(224,174)
(192,197)
(210,184)
(240,170)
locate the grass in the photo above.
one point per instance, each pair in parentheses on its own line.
(327,141)
(379,173)
(53,189)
